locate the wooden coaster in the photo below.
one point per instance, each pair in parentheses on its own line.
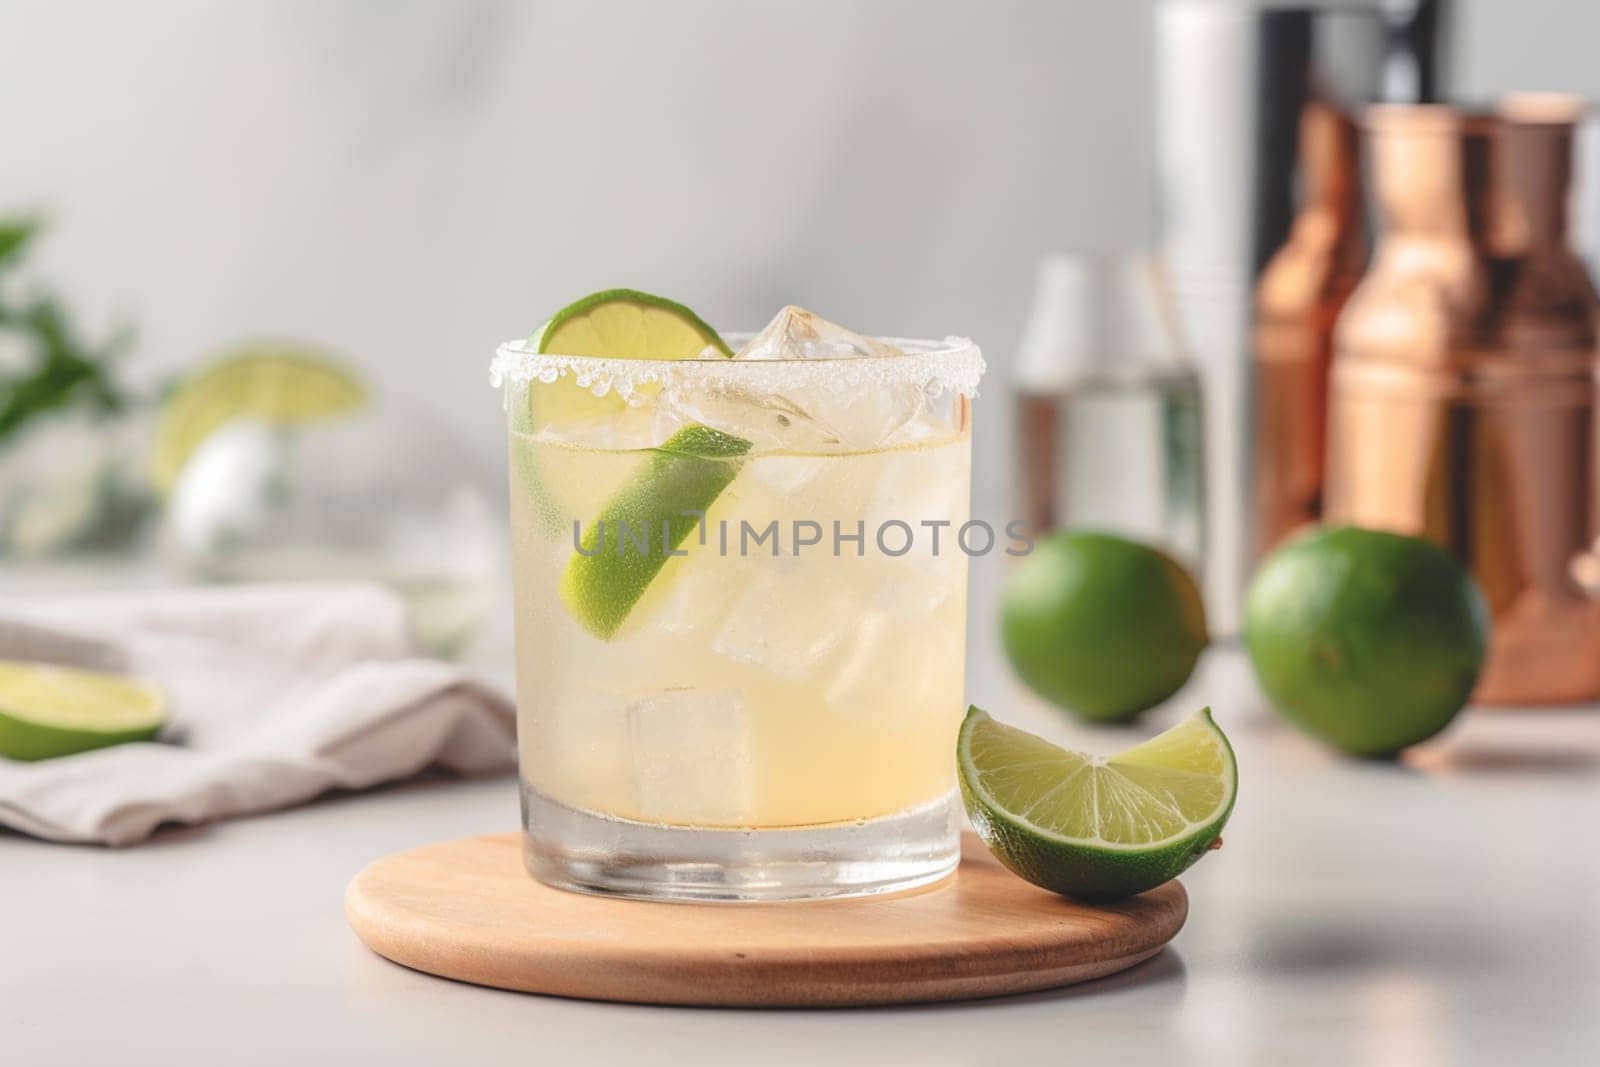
(468,910)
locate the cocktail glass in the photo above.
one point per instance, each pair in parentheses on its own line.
(740,592)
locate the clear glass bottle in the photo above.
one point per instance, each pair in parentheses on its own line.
(1109,409)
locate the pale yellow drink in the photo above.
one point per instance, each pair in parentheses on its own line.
(747,689)
(741,585)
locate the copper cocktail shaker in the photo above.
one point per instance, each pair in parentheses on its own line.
(1463,395)
(1253,160)
(1297,301)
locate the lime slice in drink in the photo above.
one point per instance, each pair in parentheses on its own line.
(48,711)
(614,324)
(276,382)
(628,324)
(1092,827)
(650,516)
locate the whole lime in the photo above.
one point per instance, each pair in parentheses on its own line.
(1371,641)
(1100,625)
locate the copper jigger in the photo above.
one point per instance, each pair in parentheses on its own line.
(1463,396)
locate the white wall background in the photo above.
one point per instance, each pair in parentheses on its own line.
(411,182)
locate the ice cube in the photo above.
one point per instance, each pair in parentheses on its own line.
(901,660)
(812,488)
(911,490)
(789,617)
(861,682)
(795,333)
(787,475)
(768,422)
(689,596)
(850,411)
(873,416)
(691,756)
(573,744)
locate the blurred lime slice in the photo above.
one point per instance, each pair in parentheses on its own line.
(614,324)
(622,552)
(276,382)
(48,711)
(1097,827)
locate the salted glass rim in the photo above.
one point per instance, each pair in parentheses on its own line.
(952,364)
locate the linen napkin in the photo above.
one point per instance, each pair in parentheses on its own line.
(277,693)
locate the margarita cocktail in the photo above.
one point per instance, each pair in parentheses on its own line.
(740,587)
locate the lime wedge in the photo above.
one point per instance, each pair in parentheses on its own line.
(628,324)
(48,711)
(1091,827)
(651,516)
(614,324)
(654,513)
(276,382)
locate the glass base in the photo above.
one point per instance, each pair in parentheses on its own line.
(590,853)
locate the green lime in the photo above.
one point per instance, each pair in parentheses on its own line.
(1101,626)
(651,516)
(276,382)
(1371,641)
(648,518)
(613,324)
(48,711)
(628,324)
(1097,827)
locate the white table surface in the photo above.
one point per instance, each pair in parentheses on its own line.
(1445,910)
